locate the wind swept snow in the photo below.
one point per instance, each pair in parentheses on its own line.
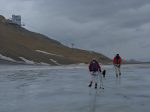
(40,51)
(55,62)
(32,62)
(6,58)
(42,63)
(27,61)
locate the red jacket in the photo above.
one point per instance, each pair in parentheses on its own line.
(117,60)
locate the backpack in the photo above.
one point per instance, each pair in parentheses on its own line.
(118,60)
(93,66)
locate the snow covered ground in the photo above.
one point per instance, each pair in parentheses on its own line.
(65,89)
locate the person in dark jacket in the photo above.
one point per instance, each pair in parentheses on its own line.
(94,68)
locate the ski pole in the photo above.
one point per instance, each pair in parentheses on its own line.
(101,81)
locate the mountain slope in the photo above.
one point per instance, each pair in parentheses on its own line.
(22,45)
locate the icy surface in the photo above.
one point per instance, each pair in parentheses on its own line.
(65,89)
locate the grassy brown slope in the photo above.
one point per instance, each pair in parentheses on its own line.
(18,42)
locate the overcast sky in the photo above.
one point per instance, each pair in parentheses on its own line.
(105,26)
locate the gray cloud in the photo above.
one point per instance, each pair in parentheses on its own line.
(106,26)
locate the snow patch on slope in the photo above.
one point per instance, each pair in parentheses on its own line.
(55,62)
(32,62)
(6,58)
(44,52)
(42,63)
(27,61)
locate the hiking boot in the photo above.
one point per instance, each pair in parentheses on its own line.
(90,84)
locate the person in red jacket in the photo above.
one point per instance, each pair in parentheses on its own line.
(117,63)
(94,68)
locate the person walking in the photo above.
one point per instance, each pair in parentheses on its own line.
(94,69)
(117,64)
